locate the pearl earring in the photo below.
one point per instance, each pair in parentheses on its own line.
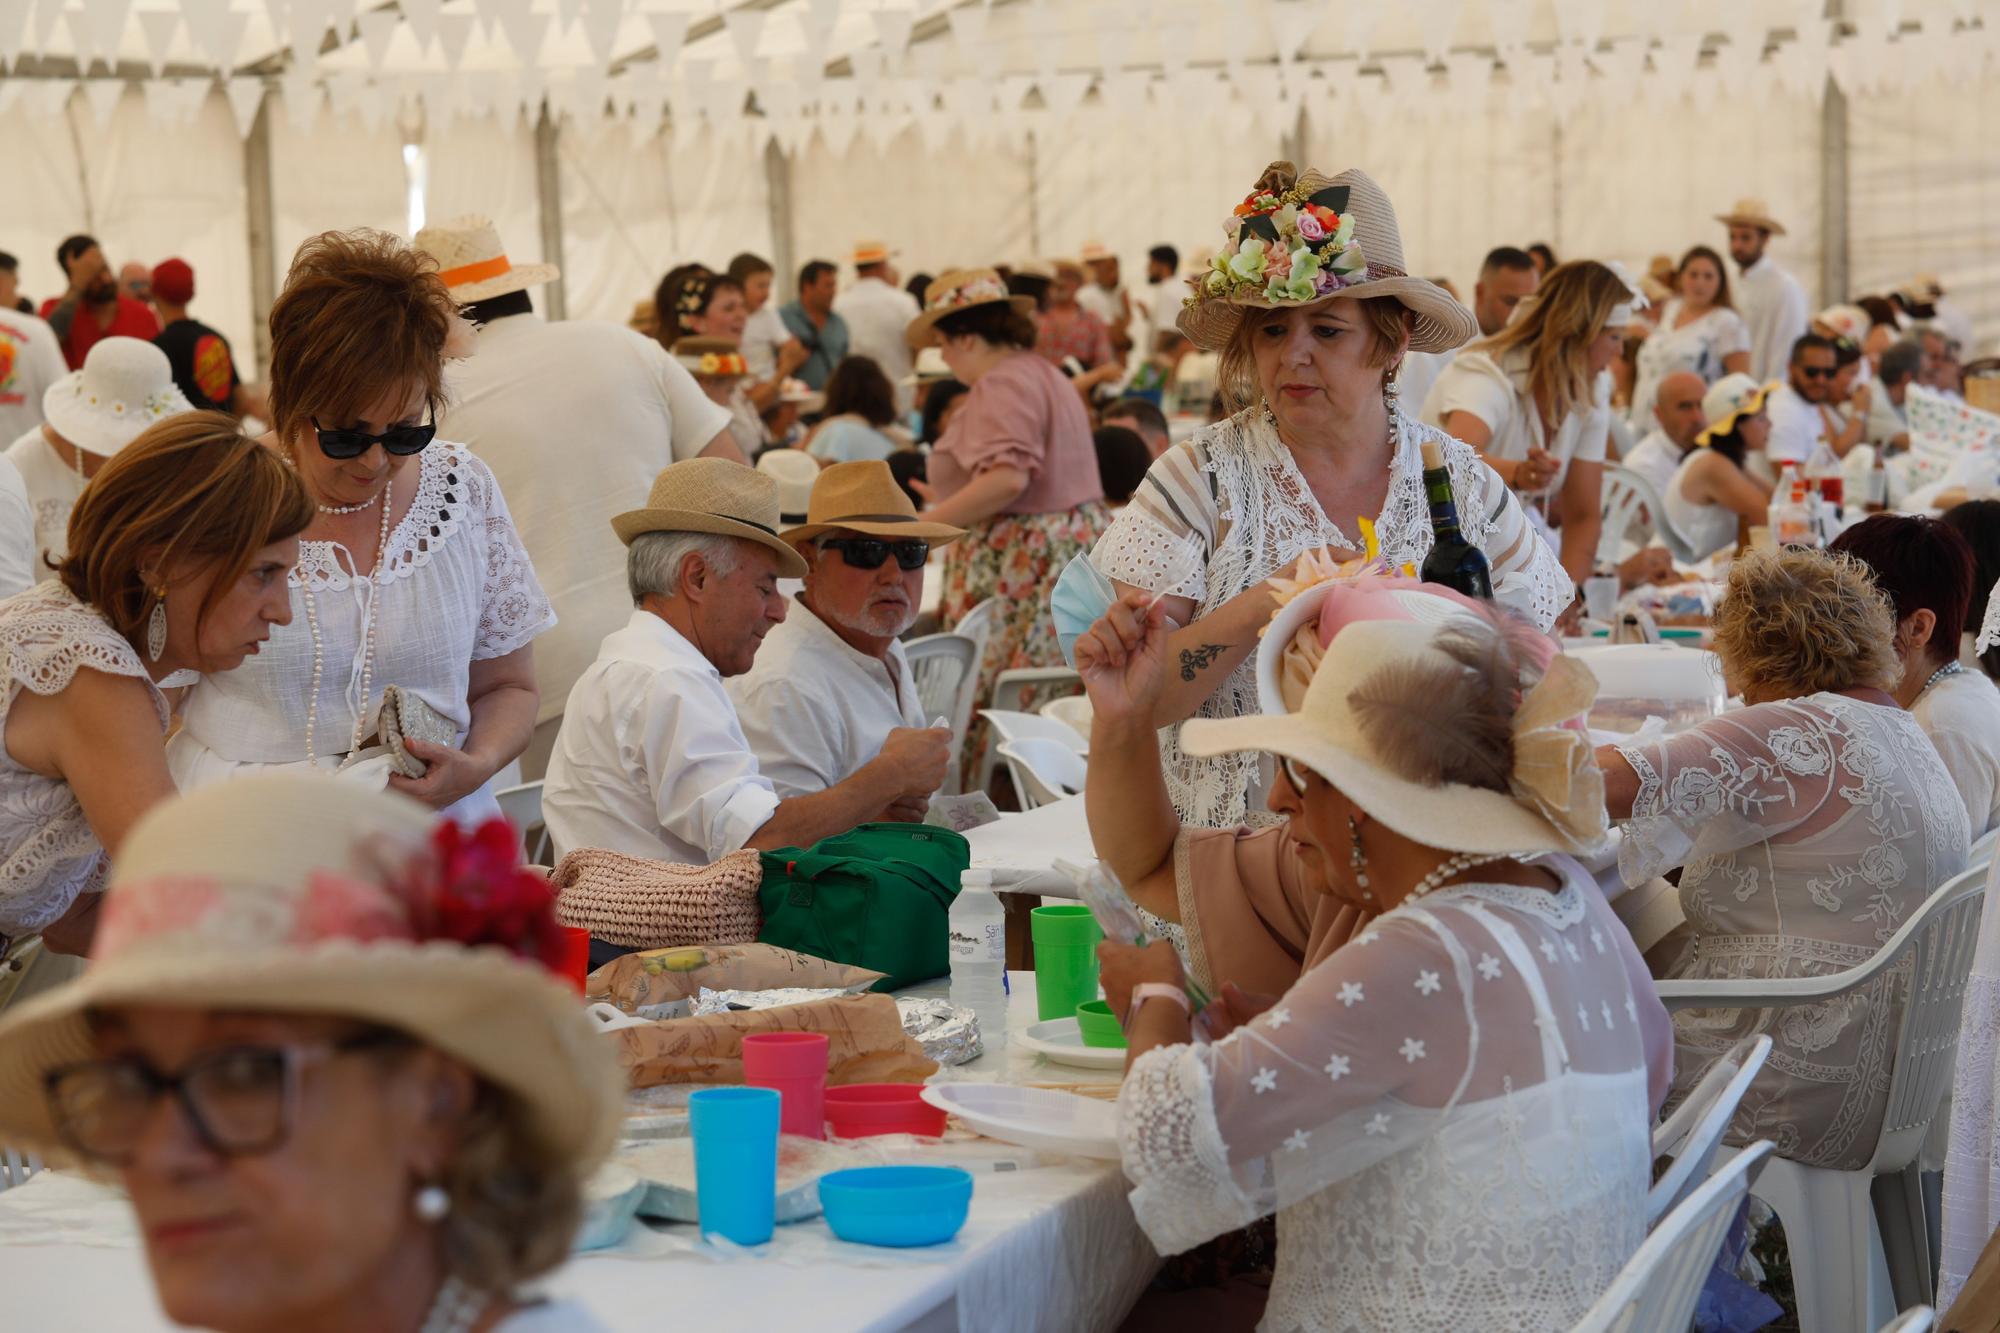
(156,630)
(1357,860)
(431,1204)
(1390,391)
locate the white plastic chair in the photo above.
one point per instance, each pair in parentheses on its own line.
(1916,1319)
(1011,726)
(1842,1244)
(523,807)
(15,1167)
(1657,1289)
(977,623)
(1694,1131)
(946,669)
(1072,710)
(1044,771)
(1011,689)
(1634,511)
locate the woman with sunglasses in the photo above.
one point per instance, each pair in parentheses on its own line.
(411,575)
(327,1112)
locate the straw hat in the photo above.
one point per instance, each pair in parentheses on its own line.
(1556,801)
(871,252)
(1924,289)
(1727,401)
(1343,228)
(961,289)
(795,471)
(717,358)
(126,385)
(713,495)
(1095,252)
(864,497)
(293,893)
(1752,213)
(473,263)
(930,367)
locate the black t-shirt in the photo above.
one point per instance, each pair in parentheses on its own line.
(203,366)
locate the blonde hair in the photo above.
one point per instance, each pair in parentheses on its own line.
(1556,326)
(1804,622)
(515,1203)
(1385,318)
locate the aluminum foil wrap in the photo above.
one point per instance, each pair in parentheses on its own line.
(947,1034)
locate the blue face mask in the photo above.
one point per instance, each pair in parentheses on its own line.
(1079,600)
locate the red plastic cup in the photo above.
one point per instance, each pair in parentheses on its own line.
(863,1110)
(795,1064)
(576,956)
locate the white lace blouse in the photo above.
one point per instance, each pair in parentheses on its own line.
(48,854)
(456,587)
(1450,1117)
(1236,487)
(1808,831)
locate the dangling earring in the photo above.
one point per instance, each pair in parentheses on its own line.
(431,1204)
(156,629)
(1357,860)
(1390,391)
(1270,417)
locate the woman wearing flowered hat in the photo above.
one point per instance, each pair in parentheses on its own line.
(1312,308)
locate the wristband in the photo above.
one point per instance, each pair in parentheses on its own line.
(1157,990)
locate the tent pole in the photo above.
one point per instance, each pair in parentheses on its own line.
(1833,233)
(548,193)
(1034,202)
(262,226)
(778,185)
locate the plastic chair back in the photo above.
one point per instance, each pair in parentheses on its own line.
(1657,1289)
(15,1167)
(1654,671)
(1072,710)
(1012,726)
(1916,1319)
(1632,511)
(1044,771)
(940,663)
(523,807)
(1694,1131)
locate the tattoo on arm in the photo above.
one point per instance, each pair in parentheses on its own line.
(1199,659)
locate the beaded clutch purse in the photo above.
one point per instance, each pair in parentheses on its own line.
(404,715)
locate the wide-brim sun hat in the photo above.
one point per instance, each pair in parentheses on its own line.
(960,289)
(1338,237)
(473,264)
(1728,401)
(718,496)
(126,385)
(1556,796)
(299,893)
(1750,212)
(863,497)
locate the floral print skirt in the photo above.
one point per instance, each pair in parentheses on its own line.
(1016,558)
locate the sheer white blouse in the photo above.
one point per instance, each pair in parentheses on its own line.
(455,587)
(1450,1116)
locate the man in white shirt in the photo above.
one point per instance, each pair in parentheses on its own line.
(878,311)
(651,760)
(1154,312)
(575,418)
(17,532)
(31,360)
(1104,296)
(1507,277)
(831,683)
(1677,419)
(1797,408)
(1770,299)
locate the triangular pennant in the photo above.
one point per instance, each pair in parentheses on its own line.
(837,131)
(1674,61)
(378,29)
(1471,74)
(343,88)
(162,101)
(892,29)
(422,18)
(308,30)
(884,130)
(526,29)
(600,20)
(97,31)
(1619,63)
(103,95)
(669,32)
(745,26)
(46,15)
(489,12)
(13,33)
(968,31)
(1062,94)
(1292,21)
(228,40)
(340,17)
(245,96)
(567,12)
(454,31)
(158,26)
(302,99)
(1437,24)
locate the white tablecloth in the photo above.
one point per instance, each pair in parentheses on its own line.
(1018,854)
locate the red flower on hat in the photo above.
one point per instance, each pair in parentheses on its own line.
(473,889)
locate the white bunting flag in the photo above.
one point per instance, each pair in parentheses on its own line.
(600,20)
(98,31)
(454,32)
(1292,22)
(302,98)
(892,29)
(44,28)
(13,31)
(1674,61)
(881,131)
(669,33)
(162,101)
(422,18)
(968,31)
(488,13)
(378,29)
(158,27)
(746,27)
(103,95)
(245,95)
(1062,94)
(837,130)
(309,23)
(525,31)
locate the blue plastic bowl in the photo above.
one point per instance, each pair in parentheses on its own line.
(899,1206)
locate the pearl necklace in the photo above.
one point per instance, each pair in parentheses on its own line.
(1457,865)
(354,509)
(1948,669)
(455,1310)
(367,644)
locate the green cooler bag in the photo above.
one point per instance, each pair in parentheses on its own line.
(878,896)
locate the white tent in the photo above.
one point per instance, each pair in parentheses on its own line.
(622,136)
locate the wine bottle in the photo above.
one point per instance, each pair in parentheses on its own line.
(1453,561)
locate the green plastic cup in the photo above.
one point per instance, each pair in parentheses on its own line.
(1099,1026)
(1066,937)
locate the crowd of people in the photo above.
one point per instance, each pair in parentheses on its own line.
(667,570)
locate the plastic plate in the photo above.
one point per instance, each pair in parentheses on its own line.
(1058,1039)
(1032,1117)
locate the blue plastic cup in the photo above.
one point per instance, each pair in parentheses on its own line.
(735,1161)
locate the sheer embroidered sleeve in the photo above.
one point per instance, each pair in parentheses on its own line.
(1173,501)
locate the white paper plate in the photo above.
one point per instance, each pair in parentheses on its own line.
(1032,1117)
(1059,1040)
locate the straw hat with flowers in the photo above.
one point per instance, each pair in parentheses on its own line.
(961,289)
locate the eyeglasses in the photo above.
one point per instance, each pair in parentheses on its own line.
(240,1100)
(870,552)
(1818,372)
(399,440)
(1293,773)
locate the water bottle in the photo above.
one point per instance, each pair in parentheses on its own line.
(978,926)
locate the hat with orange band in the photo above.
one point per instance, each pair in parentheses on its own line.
(473,263)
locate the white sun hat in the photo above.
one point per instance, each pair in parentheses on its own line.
(473,263)
(125,386)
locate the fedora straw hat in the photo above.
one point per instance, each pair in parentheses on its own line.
(871,252)
(864,497)
(795,471)
(301,893)
(715,357)
(960,289)
(1338,237)
(474,265)
(125,385)
(714,495)
(1555,799)
(1752,213)
(1728,401)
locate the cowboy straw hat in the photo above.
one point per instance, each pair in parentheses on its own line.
(871,252)
(961,289)
(1355,249)
(126,385)
(716,358)
(275,893)
(718,496)
(864,497)
(474,265)
(1094,252)
(1557,801)
(1727,401)
(1752,213)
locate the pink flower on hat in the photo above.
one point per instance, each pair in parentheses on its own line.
(337,907)
(169,904)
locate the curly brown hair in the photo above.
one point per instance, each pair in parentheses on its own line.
(362,312)
(1795,621)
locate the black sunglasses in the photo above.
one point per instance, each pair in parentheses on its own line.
(1818,372)
(870,552)
(399,440)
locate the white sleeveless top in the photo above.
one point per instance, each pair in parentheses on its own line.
(1706,528)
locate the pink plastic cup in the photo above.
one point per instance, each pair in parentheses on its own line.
(795,1064)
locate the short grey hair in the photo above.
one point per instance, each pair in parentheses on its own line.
(653,561)
(1902,360)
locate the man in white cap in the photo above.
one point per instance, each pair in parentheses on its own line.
(1772,302)
(651,760)
(877,311)
(575,418)
(90,414)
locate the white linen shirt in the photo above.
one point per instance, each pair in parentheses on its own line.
(575,419)
(650,760)
(763,335)
(1656,459)
(1774,308)
(1796,426)
(1961,715)
(877,316)
(52,487)
(1497,393)
(17,532)
(36,363)
(815,708)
